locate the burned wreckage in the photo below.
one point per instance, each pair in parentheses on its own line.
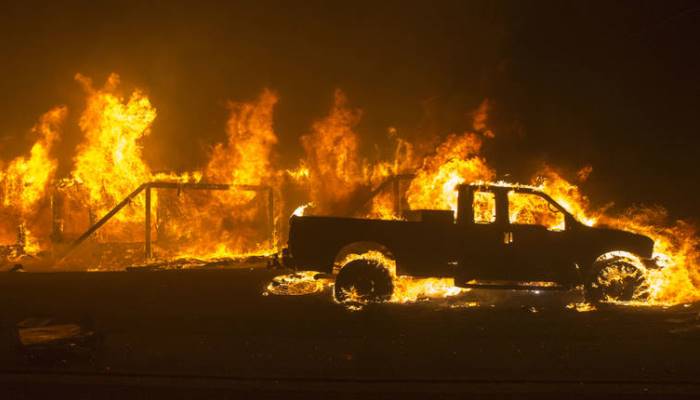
(504,237)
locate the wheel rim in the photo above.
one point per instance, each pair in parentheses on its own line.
(361,290)
(620,282)
(363,284)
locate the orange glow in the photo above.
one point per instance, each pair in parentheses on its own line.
(332,178)
(484,207)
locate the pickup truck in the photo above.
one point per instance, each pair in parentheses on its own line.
(503,237)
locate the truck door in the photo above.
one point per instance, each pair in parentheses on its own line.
(481,249)
(536,248)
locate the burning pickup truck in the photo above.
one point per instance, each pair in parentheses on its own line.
(503,237)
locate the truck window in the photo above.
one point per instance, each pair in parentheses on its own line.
(484,207)
(532,209)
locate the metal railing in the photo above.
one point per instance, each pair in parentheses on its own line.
(148,186)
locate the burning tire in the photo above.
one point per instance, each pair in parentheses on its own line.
(363,281)
(616,280)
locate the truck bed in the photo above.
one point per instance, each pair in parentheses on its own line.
(416,245)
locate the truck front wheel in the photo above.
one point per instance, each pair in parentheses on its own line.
(363,281)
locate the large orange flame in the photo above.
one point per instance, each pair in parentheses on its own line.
(455,161)
(109,163)
(227,223)
(25,182)
(332,156)
(245,157)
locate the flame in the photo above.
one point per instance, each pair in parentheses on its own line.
(332,156)
(299,211)
(227,223)
(32,244)
(567,195)
(245,158)
(300,173)
(109,163)
(581,307)
(676,244)
(383,207)
(455,161)
(525,208)
(484,206)
(388,203)
(24,182)
(675,247)
(298,283)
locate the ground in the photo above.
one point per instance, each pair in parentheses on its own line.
(179,334)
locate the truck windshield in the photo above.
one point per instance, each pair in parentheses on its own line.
(533,209)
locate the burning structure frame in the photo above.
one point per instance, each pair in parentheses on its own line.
(147,188)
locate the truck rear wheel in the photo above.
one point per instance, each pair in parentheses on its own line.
(363,281)
(616,280)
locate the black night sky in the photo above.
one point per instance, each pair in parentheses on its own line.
(610,84)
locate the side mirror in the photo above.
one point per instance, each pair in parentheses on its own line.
(570,222)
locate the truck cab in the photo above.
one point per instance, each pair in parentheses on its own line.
(522,235)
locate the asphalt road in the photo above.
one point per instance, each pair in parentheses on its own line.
(183,334)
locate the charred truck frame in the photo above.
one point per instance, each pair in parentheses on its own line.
(478,249)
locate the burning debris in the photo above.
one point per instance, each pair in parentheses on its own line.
(581,307)
(52,340)
(299,283)
(114,211)
(240,261)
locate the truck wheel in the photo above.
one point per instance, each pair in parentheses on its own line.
(616,280)
(363,281)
